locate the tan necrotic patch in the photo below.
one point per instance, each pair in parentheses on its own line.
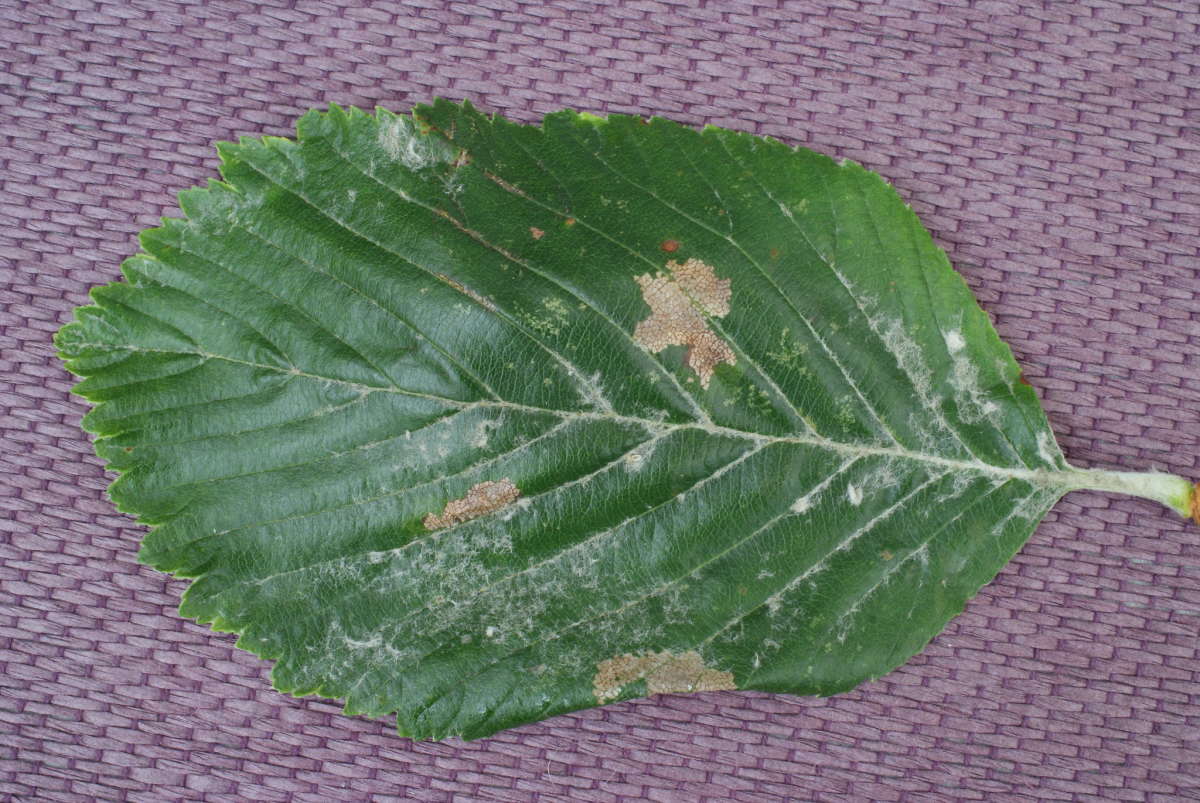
(664,673)
(679,302)
(483,498)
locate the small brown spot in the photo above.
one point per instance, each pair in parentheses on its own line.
(128,449)
(569,221)
(1196,503)
(664,673)
(678,303)
(463,158)
(483,498)
(774,253)
(669,246)
(1021,378)
(886,554)
(535,232)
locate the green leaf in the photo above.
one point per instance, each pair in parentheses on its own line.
(478,423)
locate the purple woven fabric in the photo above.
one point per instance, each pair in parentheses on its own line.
(1051,147)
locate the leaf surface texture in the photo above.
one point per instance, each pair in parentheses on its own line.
(477,422)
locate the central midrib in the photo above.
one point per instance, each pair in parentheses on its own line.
(1067,480)
(1037,477)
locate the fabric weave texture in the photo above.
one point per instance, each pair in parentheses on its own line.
(1052,149)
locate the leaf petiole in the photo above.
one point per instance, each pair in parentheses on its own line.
(1175,492)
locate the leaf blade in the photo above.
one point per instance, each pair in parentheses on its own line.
(358,327)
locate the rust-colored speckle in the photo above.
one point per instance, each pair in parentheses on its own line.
(569,221)
(482,498)
(1021,378)
(678,303)
(664,673)
(669,246)
(774,253)
(535,232)
(1196,503)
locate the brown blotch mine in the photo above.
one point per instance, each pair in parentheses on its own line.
(664,673)
(669,246)
(678,303)
(535,232)
(483,498)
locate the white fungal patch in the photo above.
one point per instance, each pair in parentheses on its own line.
(973,404)
(1046,448)
(908,355)
(959,483)
(954,340)
(802,505)
(483,431)
(365,644)
(402,142)
(590,389)
(854,494)
(894,335)
(512,510)
(886,474)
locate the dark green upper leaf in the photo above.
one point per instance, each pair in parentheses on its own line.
(477,422)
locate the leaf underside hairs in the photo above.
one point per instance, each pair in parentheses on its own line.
(476,423)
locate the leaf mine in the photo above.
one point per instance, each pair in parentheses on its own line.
(664,672)
(482,498)
(678,302)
